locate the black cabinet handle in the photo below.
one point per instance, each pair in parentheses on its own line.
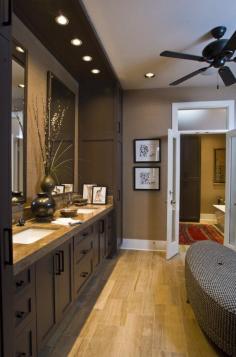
(62,262)
(20,314)
(8,248)
(84,252)
(84,274)
(21,354)
(7,22)
(102,227)
(85,234)
(56,263)
(20,283)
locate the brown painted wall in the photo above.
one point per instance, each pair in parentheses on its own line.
(40,61)
(210,190)
(147,114)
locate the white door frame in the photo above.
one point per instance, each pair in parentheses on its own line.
(229,105)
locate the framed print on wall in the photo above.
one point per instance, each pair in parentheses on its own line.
(99,195)
(147,178)
(147,150)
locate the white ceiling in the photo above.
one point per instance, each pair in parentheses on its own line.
(134,32)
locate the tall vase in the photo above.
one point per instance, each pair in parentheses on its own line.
(48,184)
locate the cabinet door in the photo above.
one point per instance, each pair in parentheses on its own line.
(63,280)
(6,259)
(5,18)
(110,235)
(102,239)
(25,345)
(96,245)
(45,297)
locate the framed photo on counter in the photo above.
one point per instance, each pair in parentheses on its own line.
(99,195)
(147,150)
(88,191)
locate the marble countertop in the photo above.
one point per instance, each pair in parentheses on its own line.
(25,255)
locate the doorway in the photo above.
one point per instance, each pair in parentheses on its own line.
(202,188)
(214,117)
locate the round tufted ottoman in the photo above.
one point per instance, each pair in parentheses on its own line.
(210,271)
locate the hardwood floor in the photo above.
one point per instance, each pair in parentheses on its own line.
(140,311)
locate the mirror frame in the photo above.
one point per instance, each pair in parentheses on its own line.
(22,59)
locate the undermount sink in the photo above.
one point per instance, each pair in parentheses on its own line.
(31,235)
(86,210)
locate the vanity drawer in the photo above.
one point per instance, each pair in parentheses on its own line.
(24,308)
(85,234)
(24,280)
(25,344)
(83,248)
(83,270)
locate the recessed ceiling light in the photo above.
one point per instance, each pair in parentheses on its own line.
(62,20)
(95,71)
(149,75)
(20,49)
(21,85)
(76,42)
(87,58)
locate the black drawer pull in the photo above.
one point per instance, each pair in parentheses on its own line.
(85,251)
(84,274)
(20,314)
(85,234)
(20,283)
(21,354)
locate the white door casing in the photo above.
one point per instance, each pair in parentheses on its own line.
(173,189)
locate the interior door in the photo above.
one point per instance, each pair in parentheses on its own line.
(230,204)
(190,178)
(173,194)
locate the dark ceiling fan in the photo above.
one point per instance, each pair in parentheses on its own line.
(216,54)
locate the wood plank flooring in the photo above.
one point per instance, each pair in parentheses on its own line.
(134,307)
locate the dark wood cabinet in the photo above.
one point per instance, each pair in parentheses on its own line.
(45,296)
(63,280)
(102,238)
(96,246)
(6,258)
(83,258)
(25,344)
(53,289)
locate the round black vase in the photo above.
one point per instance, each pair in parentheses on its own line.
(17,198)
(48,184)
(43,206)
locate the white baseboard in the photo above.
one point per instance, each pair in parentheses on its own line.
(143,244)
(208,218)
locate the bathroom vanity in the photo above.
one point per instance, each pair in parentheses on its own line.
(49,274)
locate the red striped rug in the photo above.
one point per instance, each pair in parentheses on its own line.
(190,233)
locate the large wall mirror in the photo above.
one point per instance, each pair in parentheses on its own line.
(62,98)
(18,137)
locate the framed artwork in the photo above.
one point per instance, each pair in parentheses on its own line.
(58,190)
(88,191)
(99,195)
(219,165)
(69,187)
(147,178)
(147,150)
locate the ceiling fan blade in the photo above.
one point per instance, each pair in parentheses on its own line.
(181,56)
(227,76)
(190,75)
(231,44)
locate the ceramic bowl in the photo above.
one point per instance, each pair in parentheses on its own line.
(68,212)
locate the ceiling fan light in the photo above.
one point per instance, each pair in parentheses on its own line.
(149,75)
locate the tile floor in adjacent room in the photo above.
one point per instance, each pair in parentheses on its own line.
(140,311)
